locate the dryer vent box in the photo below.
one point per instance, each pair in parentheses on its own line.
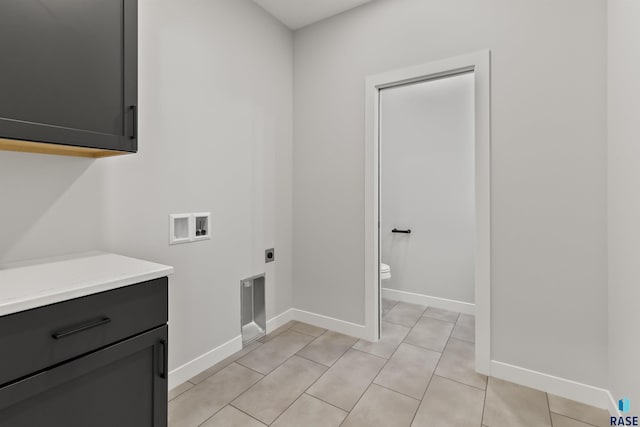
(252,301)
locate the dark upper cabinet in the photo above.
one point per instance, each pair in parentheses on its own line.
(68,75)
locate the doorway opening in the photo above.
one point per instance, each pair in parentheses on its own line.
(434,237)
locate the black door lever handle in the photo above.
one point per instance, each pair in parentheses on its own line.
(407,231)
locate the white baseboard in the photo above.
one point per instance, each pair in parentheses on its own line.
(326,322)
(562,387)
(337,325)
(194,367)
(446,304)
(279,320)
(613,406)
(191,369)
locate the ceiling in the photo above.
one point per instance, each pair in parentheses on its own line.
(299,13)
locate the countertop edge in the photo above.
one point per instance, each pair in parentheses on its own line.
(23,304)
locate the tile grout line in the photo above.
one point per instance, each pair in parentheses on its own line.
(231,400)
(459,382)
(326,370)
(563,415)
(455,322)
(433,374)
(180,394)
(357,401)
(246,413)
(441,320)
(311,360)
(294,354)
(402,341)
(369,354)
(385,364)
(229,404)
(572,418)
(270,372)
(334,362)
(318,379)
(292,403)
(484,403)
(414,323)
(209,376)
(305,390)
(328,403)
(399,392)
(264,376)
(223,367)
(549,408)
(278,334)
(460,317)
(368,385)
(251,369)
(309,335)
(462,339)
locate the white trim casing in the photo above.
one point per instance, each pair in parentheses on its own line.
(413,298)
(479,63)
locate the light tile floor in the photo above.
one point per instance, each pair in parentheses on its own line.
(421,373)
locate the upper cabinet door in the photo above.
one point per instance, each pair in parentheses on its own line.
(68,72)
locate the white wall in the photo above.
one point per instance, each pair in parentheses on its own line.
(49,205)
(215,135)
(427,185)
(548,164)
(215,102)
(624,203)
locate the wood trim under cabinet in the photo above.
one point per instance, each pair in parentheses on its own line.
(56,149)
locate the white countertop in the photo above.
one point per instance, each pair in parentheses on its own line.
(32,284)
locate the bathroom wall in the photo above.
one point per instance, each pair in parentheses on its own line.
(548,164)
(427,185)
(624,204)
(215,135)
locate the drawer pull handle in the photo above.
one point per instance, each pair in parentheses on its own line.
(165,359)
(134,124)
(79,328)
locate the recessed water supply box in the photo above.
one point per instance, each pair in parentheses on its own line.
(252,302)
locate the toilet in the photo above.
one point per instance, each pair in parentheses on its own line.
(385,272)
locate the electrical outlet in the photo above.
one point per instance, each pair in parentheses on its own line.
(270,255)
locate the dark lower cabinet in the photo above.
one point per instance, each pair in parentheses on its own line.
(95,361)
(123,385)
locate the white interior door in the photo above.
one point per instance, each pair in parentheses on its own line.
(427,186)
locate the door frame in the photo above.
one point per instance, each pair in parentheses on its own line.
(480,64)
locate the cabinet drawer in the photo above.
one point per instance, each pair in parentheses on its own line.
(36,339)
(122,385)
